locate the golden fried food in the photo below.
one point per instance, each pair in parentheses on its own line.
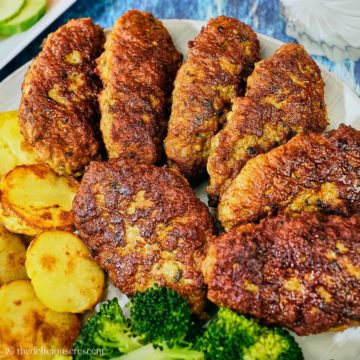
(33,199)
(284,96)
(144,225)
(59,112)
(14,150)
(64,276)
(137,69)
(312,172)
(219,61)
(299,272)
(28,329)
(12,257)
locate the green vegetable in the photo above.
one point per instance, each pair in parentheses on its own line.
(161,327)
(227,336)
(161,315)
(163,319)
(29,14)
(275,343)
(107,334)
(160,321)
(232,337)
(9,8)
(148,352)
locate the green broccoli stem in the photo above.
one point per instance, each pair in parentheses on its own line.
(122,343)
(148,352)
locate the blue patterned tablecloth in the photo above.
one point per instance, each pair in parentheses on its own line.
(263,15)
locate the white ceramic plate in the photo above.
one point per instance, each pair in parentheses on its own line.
(343,106)
(10,46)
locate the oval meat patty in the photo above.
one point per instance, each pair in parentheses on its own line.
(59,112)
(284,96)
(301,272)
(137,69)
(144,225)
(219,61)
(312,172)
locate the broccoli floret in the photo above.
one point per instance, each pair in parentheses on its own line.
(227,336)
(105,335)
(163,318)
(160,315)
(149,352)
(196,329)
(274,344)
(161,327)
(233,336)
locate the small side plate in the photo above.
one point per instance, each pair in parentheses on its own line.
(10,46)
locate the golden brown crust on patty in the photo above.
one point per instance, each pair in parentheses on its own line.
(219,61)
(301,272)
(312,172)
(144,225)
(284,96)
(59,112)
(137,69)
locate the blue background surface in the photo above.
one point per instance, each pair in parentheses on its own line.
(263,15)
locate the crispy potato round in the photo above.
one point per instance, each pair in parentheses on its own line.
(13,148)
(64,276)
(35,199)
(27,326)
(12,257)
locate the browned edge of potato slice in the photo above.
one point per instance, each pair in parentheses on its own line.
(12,257)
(34,199)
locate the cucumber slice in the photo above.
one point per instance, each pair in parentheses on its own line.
(9,8)
(31,12)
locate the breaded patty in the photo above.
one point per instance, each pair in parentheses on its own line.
(144,225)
(312,172)
(284,96)
(299,272)
(219,61)
(137,70)
(59,112)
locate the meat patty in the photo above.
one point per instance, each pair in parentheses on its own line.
(284,96)
(312,172)
(219,61)
(59,112)
(137,70)
(302,272)
(144,225)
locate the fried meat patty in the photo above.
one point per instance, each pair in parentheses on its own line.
(284,96)
(137,70)
(219,61)
(299,272)
(144,225)
(312,172)
(59,112)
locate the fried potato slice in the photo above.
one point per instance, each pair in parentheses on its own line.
(13,148)
(12,257)
(64,276)
(28,326)
(35,199)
